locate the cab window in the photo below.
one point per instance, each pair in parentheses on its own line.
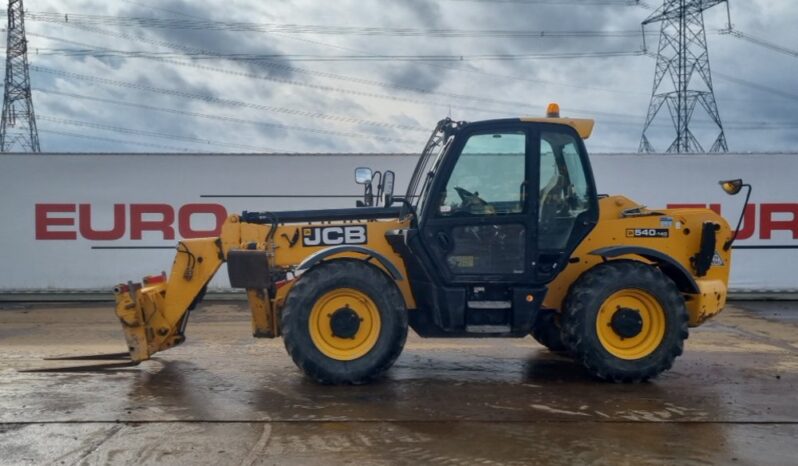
(488,178)
(564,193)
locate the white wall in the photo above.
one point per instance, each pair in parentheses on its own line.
(171,182)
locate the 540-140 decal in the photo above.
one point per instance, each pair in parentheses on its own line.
(334,235)
(648,233)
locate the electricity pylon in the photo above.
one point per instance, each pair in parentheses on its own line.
(18,131)
(683,54)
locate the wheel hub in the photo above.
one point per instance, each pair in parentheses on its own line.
(626,322)
(344,323)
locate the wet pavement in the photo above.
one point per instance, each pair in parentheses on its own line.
(226,398)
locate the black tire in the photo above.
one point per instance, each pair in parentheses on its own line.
(314,284)
(547,331)
(584,302)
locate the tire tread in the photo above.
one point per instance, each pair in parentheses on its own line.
(589,291)
(309,284)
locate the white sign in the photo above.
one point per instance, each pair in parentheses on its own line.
(88,222)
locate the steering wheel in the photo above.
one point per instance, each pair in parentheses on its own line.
(473,204)
(465,195)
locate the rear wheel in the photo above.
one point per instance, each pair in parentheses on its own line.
(344,322)
(625,321)
(547,331)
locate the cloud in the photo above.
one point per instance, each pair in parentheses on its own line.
(426,13)
(328,95)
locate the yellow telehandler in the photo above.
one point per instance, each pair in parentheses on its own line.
(501,233)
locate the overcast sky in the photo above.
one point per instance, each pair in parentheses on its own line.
(291,105)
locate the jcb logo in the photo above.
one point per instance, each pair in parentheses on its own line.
(331,236)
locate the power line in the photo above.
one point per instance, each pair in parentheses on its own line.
(735,125)
(428,103)
(280,66)
(422,102)
(115,141)
(757,86)
(750,84)
(325,88)
(761,42)
(346,78)
(559,2)
(336,58)
(335,76)
(230,102)
(225,118)
(201,24)
(358,80)
(156,134)
(203,97)
(318,87)
(287,28)
(754,126)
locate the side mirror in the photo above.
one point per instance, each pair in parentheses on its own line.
(733,187)
(387,187)
(363,175)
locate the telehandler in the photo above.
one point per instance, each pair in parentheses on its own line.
(501,233)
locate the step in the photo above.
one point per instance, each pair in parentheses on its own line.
(488,328)
(490,305)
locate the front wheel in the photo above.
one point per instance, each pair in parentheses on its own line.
(625,321)
(344,322)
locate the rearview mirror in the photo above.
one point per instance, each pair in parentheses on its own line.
(363,175)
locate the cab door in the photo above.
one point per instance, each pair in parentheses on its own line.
(479,225)
(567,203)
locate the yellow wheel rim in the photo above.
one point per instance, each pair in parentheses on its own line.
(351,303)
(649,326)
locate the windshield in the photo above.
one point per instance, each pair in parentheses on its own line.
(427,165)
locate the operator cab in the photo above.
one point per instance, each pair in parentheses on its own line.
(496,207)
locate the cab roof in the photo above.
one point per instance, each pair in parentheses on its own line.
(583,126)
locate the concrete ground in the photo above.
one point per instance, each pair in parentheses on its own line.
(225,398)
